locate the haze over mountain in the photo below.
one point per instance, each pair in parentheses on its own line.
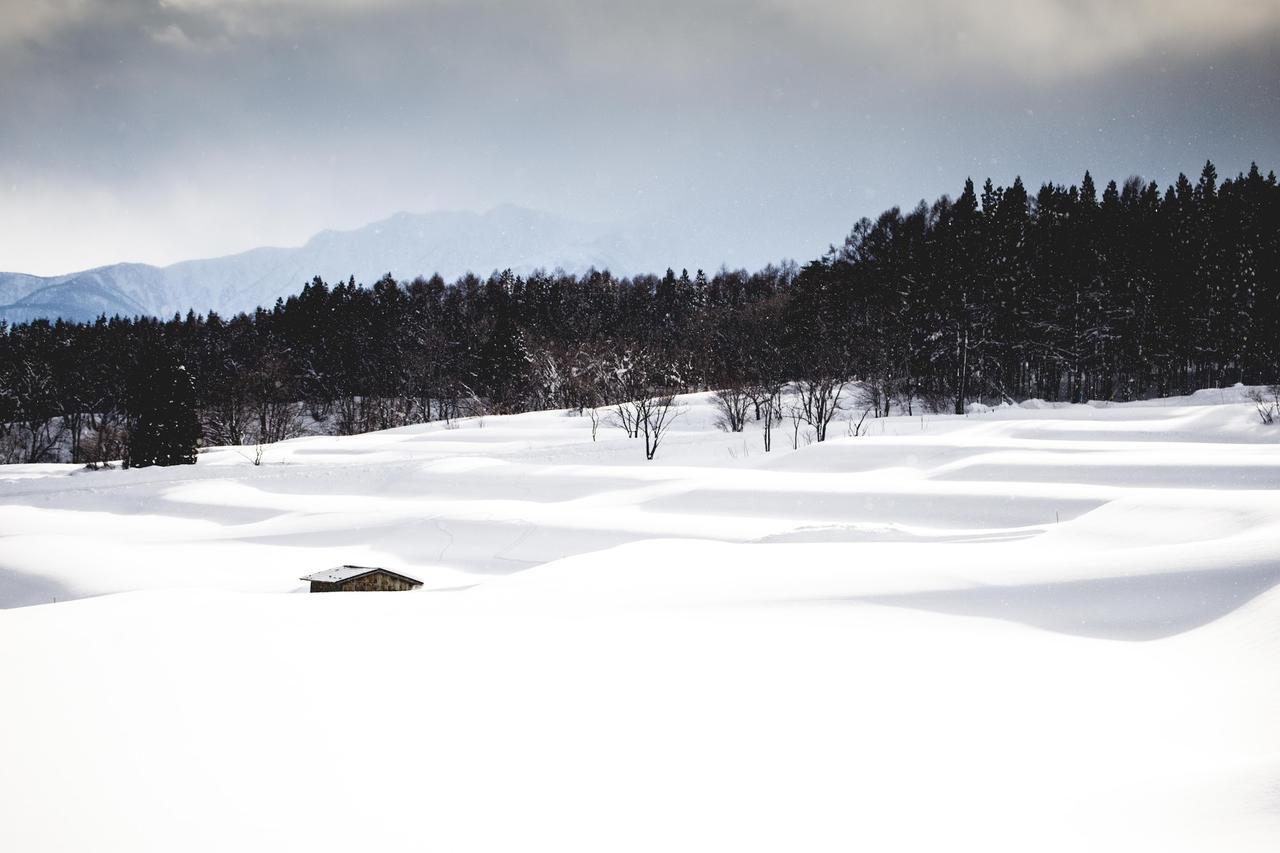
(450,243)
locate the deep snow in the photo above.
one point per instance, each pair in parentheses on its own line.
(1038,628)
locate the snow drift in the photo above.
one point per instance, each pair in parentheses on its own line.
(1031,628)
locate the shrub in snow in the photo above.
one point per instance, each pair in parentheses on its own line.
(732,405)
(1267,403)
(819,402)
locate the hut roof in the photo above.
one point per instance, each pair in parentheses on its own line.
(343,573)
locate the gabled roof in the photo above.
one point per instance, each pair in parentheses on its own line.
(344,573)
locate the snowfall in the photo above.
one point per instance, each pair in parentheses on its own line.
(1033,628)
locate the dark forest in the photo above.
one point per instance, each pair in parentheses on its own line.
(1067,294)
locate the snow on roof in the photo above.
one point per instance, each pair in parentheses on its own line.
(342,573)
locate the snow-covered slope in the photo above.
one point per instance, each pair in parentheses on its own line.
(1032,629)
(406,245)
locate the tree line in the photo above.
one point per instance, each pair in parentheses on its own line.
(996,295)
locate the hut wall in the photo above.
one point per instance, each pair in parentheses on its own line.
(376,582)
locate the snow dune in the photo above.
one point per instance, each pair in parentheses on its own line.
(1045,628)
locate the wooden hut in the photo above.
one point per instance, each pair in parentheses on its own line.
(360,579)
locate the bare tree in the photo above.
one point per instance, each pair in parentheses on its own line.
(876,395)
(626,416)
(642,383)
(855,427)
(277,420)
(795,414)
(904,397)
(557,377)
(226,420)
(819,401)
(767,399)
(36,433)
(348,420)
(1267,403)
(732,405)
(388,411)
(655,416)
(627,381)
(106,442)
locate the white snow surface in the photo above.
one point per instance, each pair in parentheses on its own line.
(1038,627)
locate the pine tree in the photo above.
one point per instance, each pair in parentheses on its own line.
(164,428)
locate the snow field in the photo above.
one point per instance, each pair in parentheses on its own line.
(1046,629)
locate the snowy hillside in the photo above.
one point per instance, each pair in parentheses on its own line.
(406,245)
(1051,628)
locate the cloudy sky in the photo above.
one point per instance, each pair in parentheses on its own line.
(157,130)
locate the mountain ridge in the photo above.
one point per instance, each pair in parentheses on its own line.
(451,243)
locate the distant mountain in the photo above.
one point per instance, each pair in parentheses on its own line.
(406,245)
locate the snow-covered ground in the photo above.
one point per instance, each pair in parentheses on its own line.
(1036,628)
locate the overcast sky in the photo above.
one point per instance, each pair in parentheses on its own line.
(158,130)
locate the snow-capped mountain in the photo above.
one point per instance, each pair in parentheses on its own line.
(405,245)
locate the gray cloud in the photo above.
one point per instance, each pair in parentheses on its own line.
(1044,37)
(1047,39)
(161,129)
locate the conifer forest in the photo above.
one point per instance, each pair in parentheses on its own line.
(1067,293)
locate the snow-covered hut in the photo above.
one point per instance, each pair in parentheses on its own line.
(360,579)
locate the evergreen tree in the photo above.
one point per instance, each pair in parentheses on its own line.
(164,427)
